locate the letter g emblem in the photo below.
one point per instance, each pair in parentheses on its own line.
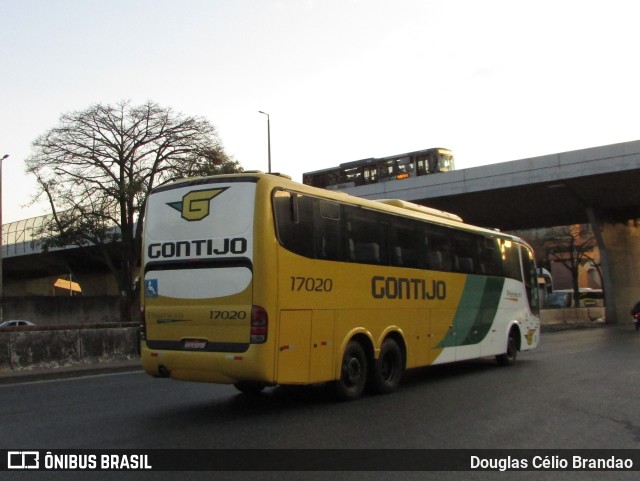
(196,204)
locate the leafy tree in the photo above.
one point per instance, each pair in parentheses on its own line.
(97,167)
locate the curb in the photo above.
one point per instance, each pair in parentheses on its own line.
(564,326)
(46,374)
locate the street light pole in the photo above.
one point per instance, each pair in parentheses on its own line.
(1,292)
(268,136)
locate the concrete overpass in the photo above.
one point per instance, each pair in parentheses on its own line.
(600,186)
(29,269)
(597,186)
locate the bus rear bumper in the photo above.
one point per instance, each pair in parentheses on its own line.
(221,368)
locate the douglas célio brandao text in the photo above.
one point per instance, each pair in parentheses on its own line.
(569,463)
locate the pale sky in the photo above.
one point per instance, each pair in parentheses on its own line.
(341,79)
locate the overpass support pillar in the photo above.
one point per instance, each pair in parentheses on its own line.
(597,227)
(621,244)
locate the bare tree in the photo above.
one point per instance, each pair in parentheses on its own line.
(98,165)
(572,247)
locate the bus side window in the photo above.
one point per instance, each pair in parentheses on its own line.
(438,246)
(404,236)
(283,214)
(490,264)
(422,165)
(294,222)
(464,256)
(510,259)
(370,174)
(366,236)
(328,231)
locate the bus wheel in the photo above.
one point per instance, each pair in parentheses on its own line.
(353,375)
(509,357)
(249,387)
(388,368)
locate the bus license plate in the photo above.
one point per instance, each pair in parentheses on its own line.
(195,344)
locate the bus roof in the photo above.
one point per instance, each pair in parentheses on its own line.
(420,208)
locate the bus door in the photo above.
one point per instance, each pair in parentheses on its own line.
(531,327)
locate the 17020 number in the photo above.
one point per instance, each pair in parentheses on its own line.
(311,284)
(231,315)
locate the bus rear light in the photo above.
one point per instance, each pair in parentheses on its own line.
(259,324)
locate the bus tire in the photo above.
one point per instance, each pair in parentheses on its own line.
(509,357)
(250,388)
(353,373)
(388,368)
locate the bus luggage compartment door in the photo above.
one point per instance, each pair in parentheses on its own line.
(305,346)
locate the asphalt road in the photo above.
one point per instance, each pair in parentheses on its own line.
(580,389)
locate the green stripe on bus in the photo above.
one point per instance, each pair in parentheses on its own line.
(476,311)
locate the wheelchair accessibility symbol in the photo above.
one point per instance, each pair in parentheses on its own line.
(151,287)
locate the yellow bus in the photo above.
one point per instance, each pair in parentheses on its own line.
(255,280)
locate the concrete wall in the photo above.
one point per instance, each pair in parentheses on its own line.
(580,315)
(62,310)
(40,347)
(61,346)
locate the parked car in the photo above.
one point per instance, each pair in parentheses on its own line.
(16,323)
(564,298)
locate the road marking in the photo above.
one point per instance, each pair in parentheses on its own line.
(71,378)
(581,350)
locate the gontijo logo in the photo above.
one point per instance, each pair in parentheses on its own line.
(195,205)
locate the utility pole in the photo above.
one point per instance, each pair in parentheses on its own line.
(1,241)
(268,137)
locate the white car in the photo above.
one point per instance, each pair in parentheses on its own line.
(16,323)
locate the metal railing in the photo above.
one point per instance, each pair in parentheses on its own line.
(21,237)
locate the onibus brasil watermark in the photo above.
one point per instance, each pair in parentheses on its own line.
(34,460)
